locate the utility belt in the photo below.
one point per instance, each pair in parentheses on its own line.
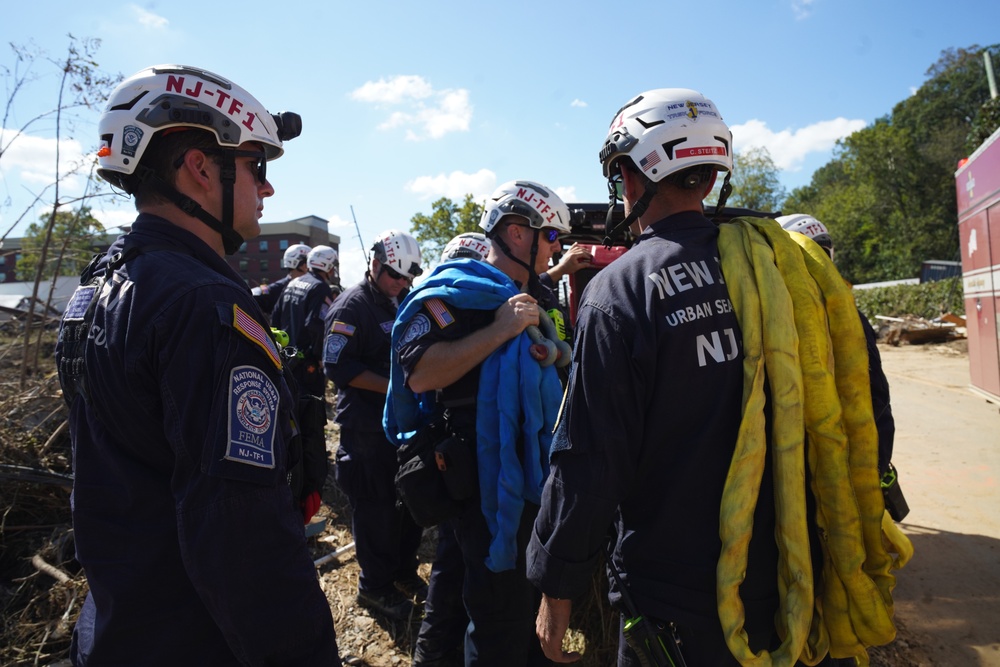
(438,477)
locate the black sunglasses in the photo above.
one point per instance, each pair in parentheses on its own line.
(259,156)
(550,235)
(396,275)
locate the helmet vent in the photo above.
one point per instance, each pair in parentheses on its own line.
(131,103)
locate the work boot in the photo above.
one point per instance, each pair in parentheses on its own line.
(413,587)
(392,604)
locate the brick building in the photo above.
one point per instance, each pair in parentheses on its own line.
(256,261)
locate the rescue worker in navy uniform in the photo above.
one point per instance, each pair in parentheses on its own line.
(356,359)
(180,416)
(647,433)
(268,294)
(461,351)
(300,313)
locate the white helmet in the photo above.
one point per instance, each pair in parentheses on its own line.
(166,96)
(541,206)
(470,244)
(399,251)
(666,130)
(323,258)
(809,226)
(295,255)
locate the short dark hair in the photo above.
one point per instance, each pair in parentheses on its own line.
(692,178)
(161,156)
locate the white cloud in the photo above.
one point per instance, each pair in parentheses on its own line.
(789,148)
(33,158)
(148,19)
(567,194)
(352,264)
(394,91)
(428,113)
(578,103)
(336,222)
(455,185)
(801,9)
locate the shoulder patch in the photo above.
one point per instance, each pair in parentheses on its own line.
(334,346)
(254,332)
(253,416)
(387,326)
(342,327)
(439,312)
(417,327)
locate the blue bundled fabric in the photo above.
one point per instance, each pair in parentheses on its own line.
(518,401)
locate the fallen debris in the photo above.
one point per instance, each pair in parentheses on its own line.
(914,330)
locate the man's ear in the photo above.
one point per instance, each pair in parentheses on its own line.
(195,169)
(711,183)
(630,184)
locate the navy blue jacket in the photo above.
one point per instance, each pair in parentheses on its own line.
(359,338)
(647,433)
(184,521)
(300,313)
(268,295)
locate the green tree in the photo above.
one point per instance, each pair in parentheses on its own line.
(755,181)
(72,244)
(888,195)
(446,221)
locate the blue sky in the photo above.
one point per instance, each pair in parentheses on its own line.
(405,102)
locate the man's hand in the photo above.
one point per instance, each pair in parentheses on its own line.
(513,317)
(574,259)
(550,626)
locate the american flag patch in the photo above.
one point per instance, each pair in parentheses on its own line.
(250,328)
(649,161)
(439,312)
(342,327)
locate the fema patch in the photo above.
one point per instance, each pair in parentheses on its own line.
(387,326)
(131,137)
(334,346)
(253,413)
(417,327)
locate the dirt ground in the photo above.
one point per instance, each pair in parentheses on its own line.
(947,452)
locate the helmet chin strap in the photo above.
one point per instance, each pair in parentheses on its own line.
(231,240)
(637,210)
(724,193)
(533,281)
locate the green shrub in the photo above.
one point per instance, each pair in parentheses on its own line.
(927,300)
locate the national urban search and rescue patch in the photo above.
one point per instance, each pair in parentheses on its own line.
(253,417)
(417,327)
(249,327)
(334,346)
(439,312)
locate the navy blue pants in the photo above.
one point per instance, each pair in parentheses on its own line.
(442,631)
(386,537)
(501,605)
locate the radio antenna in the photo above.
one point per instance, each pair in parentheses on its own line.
(360,240)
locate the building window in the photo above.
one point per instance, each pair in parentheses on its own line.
(244,264)
(263,265)
(263,246)
(243,248)
(283,244)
